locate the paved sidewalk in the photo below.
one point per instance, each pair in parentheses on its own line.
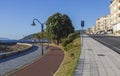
(97,60)
(16,61)
(46,66)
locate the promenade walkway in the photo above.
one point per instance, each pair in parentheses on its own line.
(17,61)
(97,60)
(46,66)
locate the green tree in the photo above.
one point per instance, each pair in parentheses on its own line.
(59,26)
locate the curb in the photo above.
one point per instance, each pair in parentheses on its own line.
(60,64)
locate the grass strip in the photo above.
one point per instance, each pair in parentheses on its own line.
(71,59)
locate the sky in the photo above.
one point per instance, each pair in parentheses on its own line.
(16,16)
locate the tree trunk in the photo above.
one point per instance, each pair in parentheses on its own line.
(57,41)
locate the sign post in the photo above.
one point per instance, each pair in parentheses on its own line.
(82,25)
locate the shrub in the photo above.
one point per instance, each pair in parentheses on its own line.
(72,36)
(65,42)
(68,46)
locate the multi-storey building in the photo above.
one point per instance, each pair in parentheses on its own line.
(108,23)
(103,24)
(89,31)
(105,28)
(98,25)
(111,22)
(115,16)
(115,12)
(93,29)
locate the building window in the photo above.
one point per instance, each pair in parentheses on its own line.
(119,8)
(118,15)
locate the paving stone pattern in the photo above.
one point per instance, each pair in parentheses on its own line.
(97,60)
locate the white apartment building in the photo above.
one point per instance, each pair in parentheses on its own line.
(89,31)
(93,29)
(105,27)
(103,24)
(109,27)
(115,16)
(108,22)
(115,11)
(98,25)
(111,22)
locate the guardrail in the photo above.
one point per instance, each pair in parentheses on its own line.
(7,54)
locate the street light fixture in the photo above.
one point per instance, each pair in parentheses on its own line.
(42,24)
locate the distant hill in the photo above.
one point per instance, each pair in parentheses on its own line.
(28,37)
(1,38)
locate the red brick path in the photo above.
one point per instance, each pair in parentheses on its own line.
(46,66)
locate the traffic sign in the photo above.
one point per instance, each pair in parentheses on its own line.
(82,23)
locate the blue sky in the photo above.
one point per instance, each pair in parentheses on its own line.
(16,15)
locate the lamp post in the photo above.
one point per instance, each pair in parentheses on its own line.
(42,25)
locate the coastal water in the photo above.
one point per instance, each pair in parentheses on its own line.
(1,53)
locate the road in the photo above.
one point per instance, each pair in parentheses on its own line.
(15,62)
(112,42)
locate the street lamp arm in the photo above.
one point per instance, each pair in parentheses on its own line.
(38,21)
(42,24)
